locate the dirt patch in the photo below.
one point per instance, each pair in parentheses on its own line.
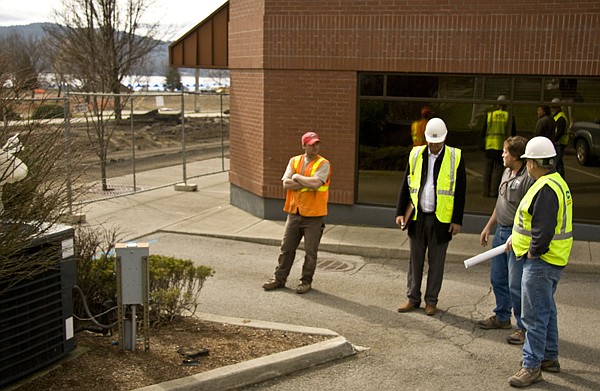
(104,366)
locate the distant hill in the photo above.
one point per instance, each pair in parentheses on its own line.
(35,30)
(158,58)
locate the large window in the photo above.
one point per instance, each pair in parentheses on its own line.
(388,103)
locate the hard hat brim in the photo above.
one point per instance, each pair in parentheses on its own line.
(435,140)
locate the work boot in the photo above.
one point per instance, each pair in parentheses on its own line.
(273,283)
(526,377)
(408,306)
(517,337)
(493,323)
(550,366)
(303,287)
(430,309)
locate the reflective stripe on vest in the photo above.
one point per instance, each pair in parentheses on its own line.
(445,185)
(315,166)
(497,129)
(562,241)
(564,139)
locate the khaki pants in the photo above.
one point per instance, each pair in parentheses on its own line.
(296,228)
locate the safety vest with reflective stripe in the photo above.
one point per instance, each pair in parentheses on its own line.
(417,130)
(497,129)
(564,139)
(560,246)
(308,202)
(445,185)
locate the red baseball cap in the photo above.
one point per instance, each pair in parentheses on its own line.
(309,138)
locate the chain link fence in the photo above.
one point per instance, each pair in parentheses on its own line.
(119,144)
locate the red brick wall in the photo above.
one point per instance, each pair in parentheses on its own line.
(457,36)
(266,129)
(246,126)
(294,65)
(300,101)
(246,19)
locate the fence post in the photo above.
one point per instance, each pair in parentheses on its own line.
(184,186)
(68,151)
(222,134)
(132,143)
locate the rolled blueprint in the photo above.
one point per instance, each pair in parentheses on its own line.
(485,256)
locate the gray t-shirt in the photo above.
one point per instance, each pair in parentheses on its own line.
(510,193)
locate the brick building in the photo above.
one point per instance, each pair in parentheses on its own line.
(357,72)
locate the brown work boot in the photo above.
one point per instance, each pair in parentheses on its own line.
(493,323)
(430,309)
(303,287)
(408,306)
(550,366)
(526,377)
(273,283)
(517,337)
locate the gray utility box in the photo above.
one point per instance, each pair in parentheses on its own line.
(133,290)
(133,260)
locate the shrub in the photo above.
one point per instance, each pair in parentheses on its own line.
(9,114)
(48,111)
(175,286)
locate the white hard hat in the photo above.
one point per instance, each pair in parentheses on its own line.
(435,131)
(555,102)
(539,147)
(501,99)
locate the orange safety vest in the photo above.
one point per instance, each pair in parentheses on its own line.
(417,131)
(308,202)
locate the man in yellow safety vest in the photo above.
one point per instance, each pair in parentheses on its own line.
(542,239)
(434,183)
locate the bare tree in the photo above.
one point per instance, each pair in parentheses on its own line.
(218,75)
(32,206)
(99,42)
(24,62)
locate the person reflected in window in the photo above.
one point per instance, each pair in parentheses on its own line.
(417,128)
(561,135)
(495,130)
(545,124)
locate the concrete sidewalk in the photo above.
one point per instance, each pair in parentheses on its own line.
(207,212)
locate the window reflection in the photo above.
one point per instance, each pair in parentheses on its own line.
(390,102)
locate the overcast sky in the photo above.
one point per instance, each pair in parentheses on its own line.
(182,15)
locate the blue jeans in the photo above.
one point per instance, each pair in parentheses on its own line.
(505,276)
(539,312)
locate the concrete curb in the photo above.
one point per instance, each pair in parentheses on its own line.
(263,368)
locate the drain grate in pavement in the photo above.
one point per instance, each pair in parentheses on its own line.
(334,265)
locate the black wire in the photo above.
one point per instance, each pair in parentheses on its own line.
(87,311)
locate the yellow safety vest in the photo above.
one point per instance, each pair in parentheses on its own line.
(497,129)
(564,139)
(445,185)
(308,202)
(562,242)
